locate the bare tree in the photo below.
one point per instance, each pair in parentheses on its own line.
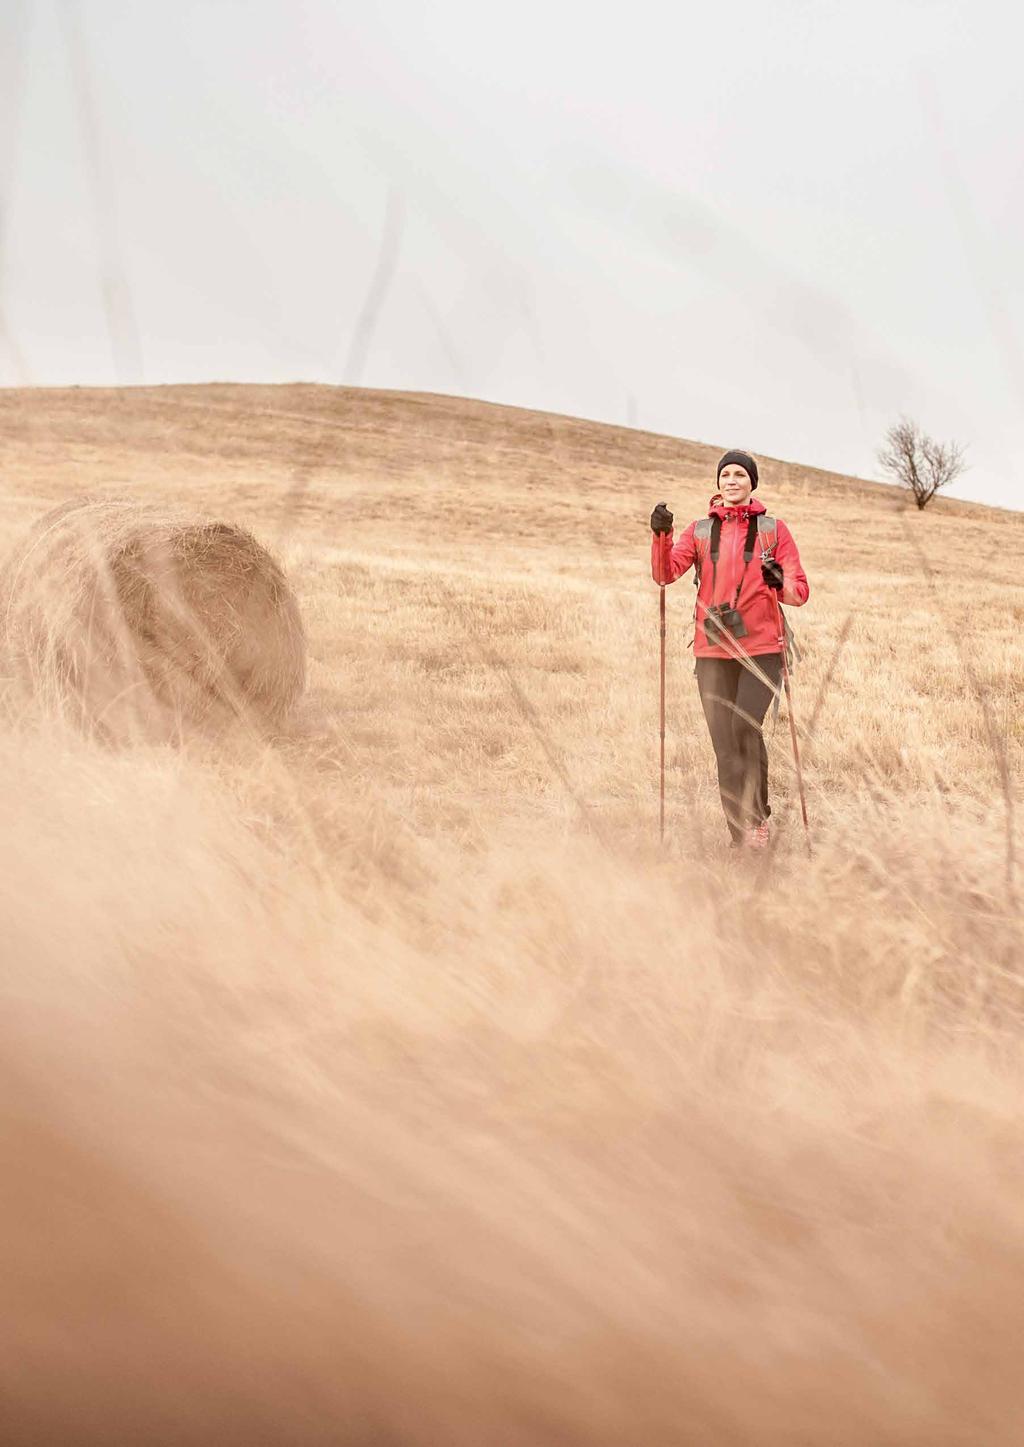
(919,463)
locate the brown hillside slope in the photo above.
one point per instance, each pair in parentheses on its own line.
(510,510)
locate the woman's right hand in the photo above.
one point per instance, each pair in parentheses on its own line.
(661,519)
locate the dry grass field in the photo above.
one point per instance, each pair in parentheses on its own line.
(383,1081)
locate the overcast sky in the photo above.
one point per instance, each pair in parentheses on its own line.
(769,225)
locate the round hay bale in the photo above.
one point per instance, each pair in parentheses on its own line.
(139,620)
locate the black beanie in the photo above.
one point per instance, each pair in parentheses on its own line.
(743,459)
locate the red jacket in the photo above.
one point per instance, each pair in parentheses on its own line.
(670,561)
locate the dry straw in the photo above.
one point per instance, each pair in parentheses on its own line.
(138,621)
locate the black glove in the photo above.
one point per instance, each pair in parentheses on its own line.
(661,519)
(771,572)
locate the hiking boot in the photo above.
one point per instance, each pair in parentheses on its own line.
(756,837)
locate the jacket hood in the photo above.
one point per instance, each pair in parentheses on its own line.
(717,508)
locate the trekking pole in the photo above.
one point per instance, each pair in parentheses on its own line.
(662,539)
(661,590)
(792,720)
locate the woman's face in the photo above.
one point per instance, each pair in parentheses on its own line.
(734,484)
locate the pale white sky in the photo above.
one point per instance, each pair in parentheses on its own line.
(769,225)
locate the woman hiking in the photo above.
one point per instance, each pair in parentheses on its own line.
(736,640)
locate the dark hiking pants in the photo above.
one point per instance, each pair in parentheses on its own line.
(735,702)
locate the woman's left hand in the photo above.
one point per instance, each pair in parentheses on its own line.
(771,572)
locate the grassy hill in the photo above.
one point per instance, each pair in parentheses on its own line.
(389,1072)
(464,526)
